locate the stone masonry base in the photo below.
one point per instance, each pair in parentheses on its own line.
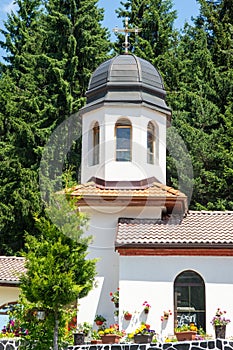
(217,344)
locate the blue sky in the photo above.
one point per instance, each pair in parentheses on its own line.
(185,8)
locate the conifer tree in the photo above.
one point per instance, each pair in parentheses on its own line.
(202,101)
(155,19)
(19,113)
(52,48)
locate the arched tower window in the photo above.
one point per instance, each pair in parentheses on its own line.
(123,132)
(150,143)
(189,299)
(95,143)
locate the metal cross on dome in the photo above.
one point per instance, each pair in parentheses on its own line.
(126,30)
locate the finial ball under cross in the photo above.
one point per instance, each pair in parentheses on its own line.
(126,30)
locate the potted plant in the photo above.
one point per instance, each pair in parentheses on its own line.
(115,297)
(111,335)
(95,337)
(219,322)
(127,315)
(99,320)
(146,307)
(82,331)
(186,332)
(166,315)
(143,334)
(116,314)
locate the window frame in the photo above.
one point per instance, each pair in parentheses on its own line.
(123,123)
(188,311)
(95,144)
(151,136)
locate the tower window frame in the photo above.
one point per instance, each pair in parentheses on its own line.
(123,137)
(95,143)
(151,138)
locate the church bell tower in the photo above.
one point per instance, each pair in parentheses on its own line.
(124,123)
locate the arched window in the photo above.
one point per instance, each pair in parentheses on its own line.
(123,132)
(150,143)
(95,143)
(189,299)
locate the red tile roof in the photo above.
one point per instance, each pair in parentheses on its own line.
(157,193)
(197,228)
(10,269)
(157,189)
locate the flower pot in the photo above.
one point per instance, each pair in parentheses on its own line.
(79,338)
(220,332)
(96,341)
(143,338)
(186,335)
(110,338)
(99,323)
(127,317)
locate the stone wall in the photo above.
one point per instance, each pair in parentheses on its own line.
(9,344)
(218,344)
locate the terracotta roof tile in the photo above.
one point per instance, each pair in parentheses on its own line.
(198,227)
(157,189)
(10,268)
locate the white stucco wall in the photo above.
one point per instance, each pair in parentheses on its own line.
(152,279)
(8,294)
(102,226)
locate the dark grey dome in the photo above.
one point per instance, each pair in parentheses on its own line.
(126,78)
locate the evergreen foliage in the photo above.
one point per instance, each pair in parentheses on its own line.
(52,48)
(155,18)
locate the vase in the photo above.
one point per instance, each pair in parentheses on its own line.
(220,332)
(143,338)
(79,338)
(110,338)
(186,335)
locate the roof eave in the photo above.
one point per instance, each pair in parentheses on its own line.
(175,250)
(173,205)
(186,245)
(6,283)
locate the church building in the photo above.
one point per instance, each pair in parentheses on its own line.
(149,246)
